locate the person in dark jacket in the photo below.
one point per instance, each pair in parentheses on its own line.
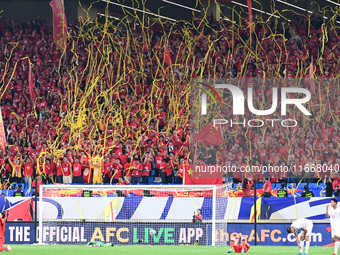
(307,192)
(282,192)
(329,187)
(19,192)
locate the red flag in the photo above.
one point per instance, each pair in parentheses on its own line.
(311,78)
(201,175)
(250,13)
(210,135)
(31,82)
(167,57)
(59,24)
(22,210)
(2,133)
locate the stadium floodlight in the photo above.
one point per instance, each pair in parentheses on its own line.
(131,8)
(109,16)
(333,2)
(180,5)
(254,9)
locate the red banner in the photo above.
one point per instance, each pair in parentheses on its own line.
(250,13)
(2,133)
(31,82)
(59,24)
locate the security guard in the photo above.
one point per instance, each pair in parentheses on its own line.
(282,192)
(19,192)
(86,193)
(307,192)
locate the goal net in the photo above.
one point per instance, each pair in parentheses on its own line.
(146,214)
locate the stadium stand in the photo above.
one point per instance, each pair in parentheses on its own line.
(118,98)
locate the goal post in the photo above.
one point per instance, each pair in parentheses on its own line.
(132,214)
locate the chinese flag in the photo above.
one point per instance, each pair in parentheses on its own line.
(2,134)
(210,135)
(59,24)
(194,175)
(167,57)
(31,82)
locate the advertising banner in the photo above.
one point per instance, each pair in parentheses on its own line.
(166,233)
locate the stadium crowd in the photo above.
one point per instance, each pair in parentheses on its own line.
(114,106)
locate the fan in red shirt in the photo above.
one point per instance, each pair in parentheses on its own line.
(49,171)
(59,172)
(67,171)
(263,153)
(121,181)
(267,188)
(146,168)
(2,233)
(247,184)
(28,172)
(161,119)
(239,248)
(77,172)
(117,171)
(119,150)
(166,171)
(137,171)
(87,174)
(183,166)
(158,160)
(37,183)
(107,170)
(128,170)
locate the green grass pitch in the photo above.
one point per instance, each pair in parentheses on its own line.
(162,250)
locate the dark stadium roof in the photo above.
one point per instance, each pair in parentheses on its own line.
(173,9)
(184,9)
